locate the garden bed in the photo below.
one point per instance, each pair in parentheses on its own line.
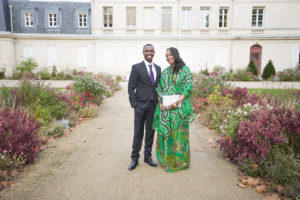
(259,132)
(33,113)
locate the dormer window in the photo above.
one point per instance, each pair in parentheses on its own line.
(52,19)
(28,17)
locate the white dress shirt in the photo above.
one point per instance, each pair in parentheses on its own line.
(148,68)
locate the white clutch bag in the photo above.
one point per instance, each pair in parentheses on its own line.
(170,99)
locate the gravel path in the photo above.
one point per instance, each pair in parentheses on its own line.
(91,163)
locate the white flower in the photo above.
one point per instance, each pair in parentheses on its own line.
(245,113)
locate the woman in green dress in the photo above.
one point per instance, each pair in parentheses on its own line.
(172,122)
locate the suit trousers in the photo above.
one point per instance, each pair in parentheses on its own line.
(143,118)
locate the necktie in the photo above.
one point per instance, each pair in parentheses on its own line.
(152,78)
(151,74)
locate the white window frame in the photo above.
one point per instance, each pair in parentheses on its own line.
(28,19)
(255,17)
(205,21)
(131,17)
(223,17)
(108,13)
(166,18)
(53,18)
(81,22)
(186,15)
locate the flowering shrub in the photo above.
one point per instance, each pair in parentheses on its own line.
(18,135)
(92,86)
(109,81)
(217,98)
(203,86)
(234,117)
(200,102)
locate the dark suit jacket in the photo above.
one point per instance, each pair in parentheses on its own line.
(140,87)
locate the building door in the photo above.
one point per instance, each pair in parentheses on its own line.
(255,55)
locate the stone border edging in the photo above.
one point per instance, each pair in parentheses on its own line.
(265,84)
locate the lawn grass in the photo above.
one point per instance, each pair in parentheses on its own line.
(283,95)
(279,93)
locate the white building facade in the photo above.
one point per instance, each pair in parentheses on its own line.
(208,33)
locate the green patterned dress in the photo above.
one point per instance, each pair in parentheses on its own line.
(173,146)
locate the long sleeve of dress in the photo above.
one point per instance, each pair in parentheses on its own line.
(159,91)
(188,83)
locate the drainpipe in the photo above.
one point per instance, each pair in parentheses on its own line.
(11,19)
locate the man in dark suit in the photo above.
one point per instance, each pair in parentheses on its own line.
(142,83)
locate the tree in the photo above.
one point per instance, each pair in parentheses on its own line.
(269,70)
(252,68)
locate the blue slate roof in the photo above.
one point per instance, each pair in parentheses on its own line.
(66,12)
(4,16)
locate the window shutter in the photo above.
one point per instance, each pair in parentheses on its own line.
(108,16)
(148,17)
(131,17)
(204,18)
(186,18)
(166,18)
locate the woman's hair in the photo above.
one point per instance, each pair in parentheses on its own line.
(178,62)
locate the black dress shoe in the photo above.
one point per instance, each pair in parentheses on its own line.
(133,164)
(150,162)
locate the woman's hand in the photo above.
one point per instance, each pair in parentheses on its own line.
(161,107)
(173,106)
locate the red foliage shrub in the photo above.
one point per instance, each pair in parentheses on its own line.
(260,131)
(241,96)
(18,134)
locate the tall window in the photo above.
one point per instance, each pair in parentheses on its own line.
(166,18)
(257,17)
(82,20)
(28,17)
(186,18)
(148,18)
(223,17)
(52,19)
(131,17)
(108,17)
(204,17)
